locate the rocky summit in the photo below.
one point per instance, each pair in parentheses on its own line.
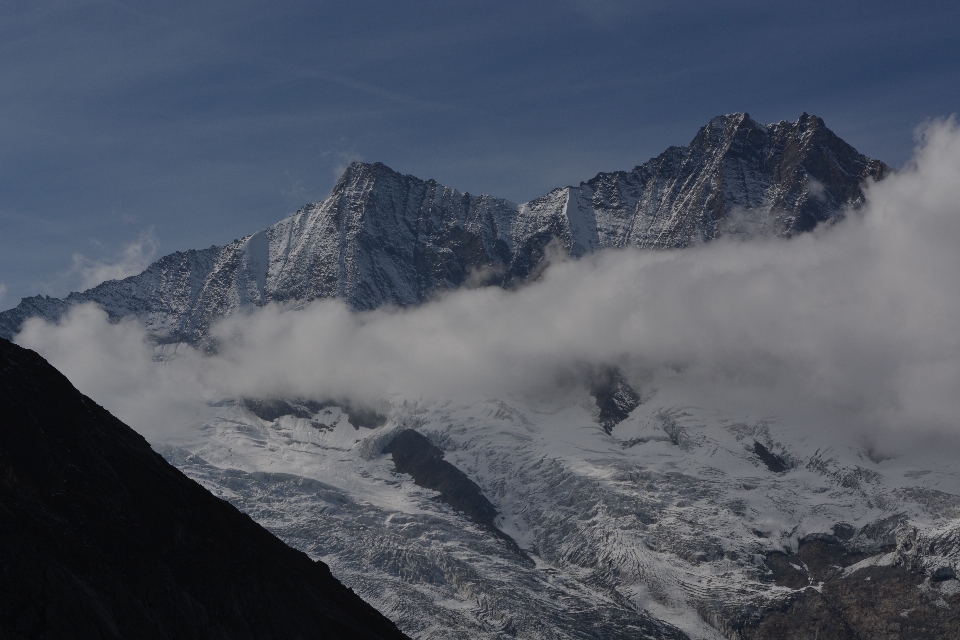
(386,238)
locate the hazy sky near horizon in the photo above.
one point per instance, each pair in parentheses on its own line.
(134,129)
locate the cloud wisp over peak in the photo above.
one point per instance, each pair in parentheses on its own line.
(133,259)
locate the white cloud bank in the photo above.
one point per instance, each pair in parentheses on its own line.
(856,326)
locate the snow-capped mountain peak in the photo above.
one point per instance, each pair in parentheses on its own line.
(382,237)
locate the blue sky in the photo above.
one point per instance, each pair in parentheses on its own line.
(129,129)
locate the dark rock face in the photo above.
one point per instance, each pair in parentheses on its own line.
(774,462)
(614,397)
(387,238)
(101,538)
(874,602)
(881,602)
(274,408)
(792,175)
(416,456)
(737,177)
(363,417)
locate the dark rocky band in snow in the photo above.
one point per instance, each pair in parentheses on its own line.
(272,408)
(414,454)
(774,462)
(614,397)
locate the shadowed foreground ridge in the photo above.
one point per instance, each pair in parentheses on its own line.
(101,538)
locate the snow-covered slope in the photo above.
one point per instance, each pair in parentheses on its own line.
(386,238)
(680,522)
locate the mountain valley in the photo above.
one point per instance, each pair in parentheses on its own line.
(616,503)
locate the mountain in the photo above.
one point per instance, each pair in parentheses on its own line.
(603,510)
(101,538)
(386,238)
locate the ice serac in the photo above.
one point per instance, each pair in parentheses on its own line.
(383,238)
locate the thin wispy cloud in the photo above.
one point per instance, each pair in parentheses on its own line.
(344,161)
(133,259)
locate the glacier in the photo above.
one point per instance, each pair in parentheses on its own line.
(669,526)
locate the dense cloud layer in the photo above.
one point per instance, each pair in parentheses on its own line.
(855,326)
